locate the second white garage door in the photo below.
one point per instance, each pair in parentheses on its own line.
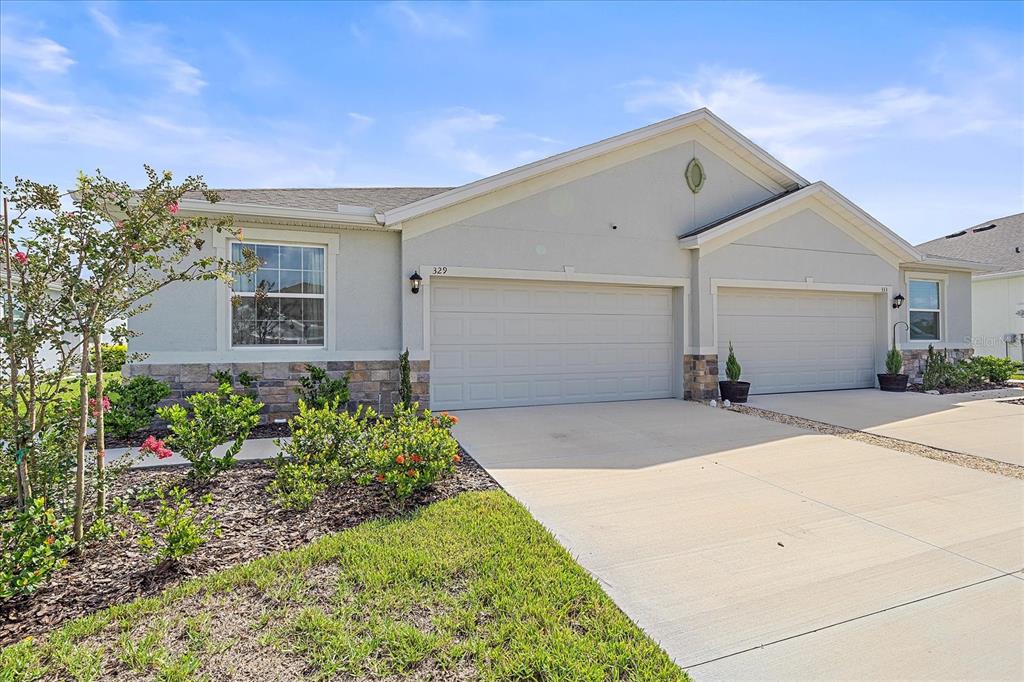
(798,340)
(507,343)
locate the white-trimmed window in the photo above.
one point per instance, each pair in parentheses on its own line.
(925,309)
(282,303)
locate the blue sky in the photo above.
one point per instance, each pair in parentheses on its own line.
(915,111)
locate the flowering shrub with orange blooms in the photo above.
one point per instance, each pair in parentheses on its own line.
(409,451)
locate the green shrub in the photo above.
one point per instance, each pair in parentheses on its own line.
(318,389)
(246,381)
(409,451)
(115,355)
(223,377)
(34,542)
(211,420)
(405,383)
(732,366)
(996,370)
(176,529)
(894,361)
(936,370)
(133,405)
(325,443)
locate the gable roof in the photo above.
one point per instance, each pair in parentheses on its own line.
(733,216)
(853,214)
(379,199)
(718,129)
(999,243)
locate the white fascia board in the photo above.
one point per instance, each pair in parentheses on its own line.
(755,149)
(999,275)
(353,215)
(896,244)
(573,156)
(951,264)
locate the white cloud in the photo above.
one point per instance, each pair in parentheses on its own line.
(358,34)
(456,139)
(120,141)
(141,46)
(430,21)
(35,54)
(359,123)
(477,144)
(806,127)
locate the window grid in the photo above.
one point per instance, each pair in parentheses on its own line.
(283,303)
(928,316)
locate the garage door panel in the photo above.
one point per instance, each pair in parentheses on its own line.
(542,343)
(799,340)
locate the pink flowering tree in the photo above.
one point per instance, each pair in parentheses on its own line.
(103,249)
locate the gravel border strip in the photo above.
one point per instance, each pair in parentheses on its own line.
(992,466)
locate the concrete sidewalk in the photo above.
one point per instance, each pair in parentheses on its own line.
(755,550)
(973,423)
(254,449)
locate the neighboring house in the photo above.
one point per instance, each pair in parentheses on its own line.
(997,298)
(616,271)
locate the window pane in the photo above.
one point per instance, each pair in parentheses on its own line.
(243,322)
(291,282)
(267,280)
(269,254)
(313,260)
(291,309)
(313,309)
(924,326)
(291,257)
(924,294)
(245,283)
(314,283)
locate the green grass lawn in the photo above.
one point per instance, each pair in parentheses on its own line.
(467,588)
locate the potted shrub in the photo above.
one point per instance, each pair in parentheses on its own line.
(893,380)
(733,390)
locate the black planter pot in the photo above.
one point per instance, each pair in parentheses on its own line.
(734,391)
(896,383)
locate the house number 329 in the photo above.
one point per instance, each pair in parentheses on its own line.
(440,270)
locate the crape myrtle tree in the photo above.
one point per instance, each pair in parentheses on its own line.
(103,248)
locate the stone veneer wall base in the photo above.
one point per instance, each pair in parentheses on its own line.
(700,377)
(915,360)
(371,382)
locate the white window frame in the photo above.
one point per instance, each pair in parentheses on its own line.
(324,296)
(940,281)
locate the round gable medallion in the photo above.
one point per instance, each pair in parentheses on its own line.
(695,175)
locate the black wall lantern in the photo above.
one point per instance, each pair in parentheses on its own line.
(415,279)
(897,301)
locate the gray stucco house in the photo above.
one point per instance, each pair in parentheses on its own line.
(620,270)
(997,298)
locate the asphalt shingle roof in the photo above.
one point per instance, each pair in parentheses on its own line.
(327,198)
(732,216)
(1001,246)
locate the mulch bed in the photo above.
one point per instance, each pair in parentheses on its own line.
(134,441)
(919,388)
(114,571)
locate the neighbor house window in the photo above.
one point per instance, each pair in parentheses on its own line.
(282,303)
(925,309)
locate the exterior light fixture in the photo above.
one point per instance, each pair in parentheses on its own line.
(897,301)
(415,279)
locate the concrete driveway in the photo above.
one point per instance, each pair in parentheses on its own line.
(973,423)
(751,549)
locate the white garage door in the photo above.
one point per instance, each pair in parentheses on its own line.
(798,340)
(505,343)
